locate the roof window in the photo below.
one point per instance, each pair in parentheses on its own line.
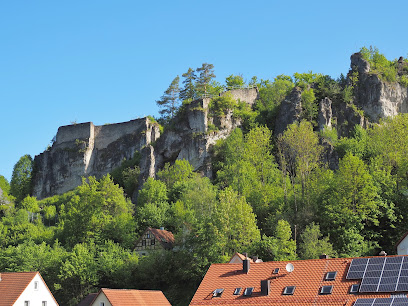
(275,271)
(237,291)
(248,291)
(326,290)
(330,276)
(354,288)
(289,290)
(218,292)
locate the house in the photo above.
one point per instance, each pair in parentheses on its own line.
(380,280)
(239,258)
(402,245)
(24,289)
(154,239)
(120,297)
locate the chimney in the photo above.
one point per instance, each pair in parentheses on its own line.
(254,258)
(265,286)
(382,253)
(245,265)
(245,254)
(324,256)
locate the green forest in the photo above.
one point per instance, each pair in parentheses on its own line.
(274,196)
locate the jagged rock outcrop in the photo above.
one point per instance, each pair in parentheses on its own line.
(85,149)
(325,114)
(290,110)
(377,98)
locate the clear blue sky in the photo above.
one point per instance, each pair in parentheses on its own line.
(108,61)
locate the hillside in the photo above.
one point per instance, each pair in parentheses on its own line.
(285,169)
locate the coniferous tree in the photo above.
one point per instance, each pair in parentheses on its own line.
(189,91)
(169,101)
(206,75)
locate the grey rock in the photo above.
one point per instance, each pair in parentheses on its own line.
(325,113)
(290,111)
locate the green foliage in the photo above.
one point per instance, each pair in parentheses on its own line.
(234,81)
(169,102)
(379,64)
(188,92)
(313,244)
(127,174)
(204,79)
(4,185)
(219,106)
(330,134)
(180,171)
(278,247)
(20,184)
(309,105)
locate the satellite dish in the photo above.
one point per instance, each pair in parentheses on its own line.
(290,267)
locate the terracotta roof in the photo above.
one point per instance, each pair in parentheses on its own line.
(12,285)
(165,238)
(308,276)
(128,297)
(241,256)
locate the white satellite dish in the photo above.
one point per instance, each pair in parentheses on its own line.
(290,267)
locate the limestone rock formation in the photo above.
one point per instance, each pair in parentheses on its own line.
(377,98)
(85,149)
(290,110)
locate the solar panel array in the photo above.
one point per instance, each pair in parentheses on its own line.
(380,274)
(392,301)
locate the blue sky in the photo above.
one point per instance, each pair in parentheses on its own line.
(108,61)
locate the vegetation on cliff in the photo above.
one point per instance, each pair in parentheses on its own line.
(272,196)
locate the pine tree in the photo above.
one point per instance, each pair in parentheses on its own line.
(170,101)
(206,75)
(189,91)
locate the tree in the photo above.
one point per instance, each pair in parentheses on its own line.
(20,184)
(188,93)
(313,244)
(234,80)
(169,102)
(206,75)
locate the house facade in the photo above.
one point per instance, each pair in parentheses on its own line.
(154,239)
(24,289)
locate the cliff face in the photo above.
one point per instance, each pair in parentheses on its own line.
(378,99)
(84,150)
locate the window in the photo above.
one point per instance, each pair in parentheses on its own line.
(326,290)
(44,303)
(153,242)
(289,290)
(26,303)
(218,292)
(35,285)
(237,291)
(143,242)
(330,276)
(354,288)
(148,235)
(276,271)
(248,291)
(102,304)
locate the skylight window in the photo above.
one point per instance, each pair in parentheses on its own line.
(326,290)
(289,290)
(354,288)
(330,276)
(237,291)
(218,292)
(276,271)
(248,291)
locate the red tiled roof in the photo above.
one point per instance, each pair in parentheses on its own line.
(128,297)
(166,238)
(308,276)
(12,285)
(241,256)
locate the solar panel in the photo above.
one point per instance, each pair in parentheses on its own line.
(400,301)
(392,301)
(357,268)
(383,302)
(364,302)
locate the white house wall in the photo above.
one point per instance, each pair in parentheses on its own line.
(36,297)
(101,298)
(402,248)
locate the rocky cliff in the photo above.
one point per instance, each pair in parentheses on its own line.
(84,149)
